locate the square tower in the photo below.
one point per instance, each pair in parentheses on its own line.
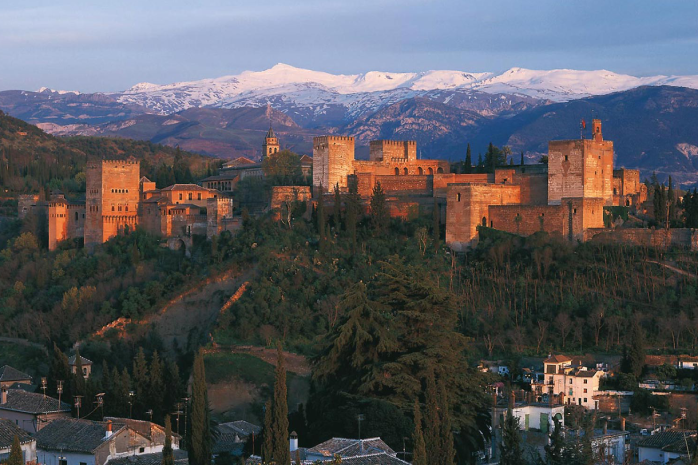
(111,198)
(271,144)
(581,168)
(333,161)
(393,150)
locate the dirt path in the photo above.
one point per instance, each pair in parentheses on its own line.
(294,362)
(673,268)
(191,313)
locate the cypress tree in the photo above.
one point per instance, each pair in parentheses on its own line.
(167,452)
(523,162)
(432,427)
(78,379)
(479,163)
(156,387)
(337,215)
(671,200)
(282,453)
(636,354)
(436,228)
(468,161)
(379,211)
(419,454)
(298,457)
(353,208)
(447,447)
(140,384)
(511,450)
(60,371)
(200,432)
(555,448)
(321,220)
(16,457)
(268,444)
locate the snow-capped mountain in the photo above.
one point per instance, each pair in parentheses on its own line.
(302,93)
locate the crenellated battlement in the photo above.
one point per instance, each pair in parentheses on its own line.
(396,143)
(326,139)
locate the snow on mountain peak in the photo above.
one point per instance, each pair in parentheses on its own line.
(61,92)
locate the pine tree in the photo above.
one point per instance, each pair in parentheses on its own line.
(167,452)
(379,211)
(16,457)
(298,457)
(173,393)
(282,453)
(200,432)
(671,201)
(468,161)
(636,354)
(511,450)
(480,165)
(419,454)
(140,384)
(268,444)
(337,216)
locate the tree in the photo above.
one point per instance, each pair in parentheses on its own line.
(167,452)
(281,453)
(268,443)
(419,454)
(140,384)
(200,431)
(432,421)
(321,219)
(78,379)
(554,449)
(468,161)
(634,359)
(671,201)
(523,161)
(436,225)
(282,168)
(511,448)
(16,457)
(447,447)
(156,387)
(60,371)
(379,210)
(352,211)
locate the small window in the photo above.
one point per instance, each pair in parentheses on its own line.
(458,196)
(191,196)
(112,208)
(585,381)
(180,196)
(570,381)
(585,400)
(126,207)
(575,212)
(585,391)
(199,195)
(76,217)
(566,158)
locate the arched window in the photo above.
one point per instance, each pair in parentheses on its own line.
(420,170)
(430,171)
(112,208)
(180,196)
(397,171)
(627,202)
(405,171)
(76,217)
(191,195)
(484,221)
(439,170)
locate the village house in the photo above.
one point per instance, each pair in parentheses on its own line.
(10,377)
(31,411)
(85,442)
(232,436)
(347,448)
(8,431)
(574,385)
(666,446)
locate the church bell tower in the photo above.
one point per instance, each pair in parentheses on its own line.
(271,143)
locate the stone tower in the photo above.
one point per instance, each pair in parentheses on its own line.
(333,160)
(271,143)
(581,168)
(111,199)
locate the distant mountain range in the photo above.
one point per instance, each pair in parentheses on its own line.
(651,119)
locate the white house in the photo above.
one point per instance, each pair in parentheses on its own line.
(576,385)
(665,446)
(533,416)
(8,431)
(613,445)
(85,442)
(346,448)
(30,411)
(687,363)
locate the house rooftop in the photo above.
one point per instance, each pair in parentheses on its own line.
(8,431)
(241,427)
(380,458)
(666,439)
(83,361)
(148,429)
(19,400)
(73,435)
(557,359)
(351,447)
(7,373)
(180,458)
(185,187)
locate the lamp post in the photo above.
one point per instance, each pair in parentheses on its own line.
(131,394)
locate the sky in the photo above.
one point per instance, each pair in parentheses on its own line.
(95,45)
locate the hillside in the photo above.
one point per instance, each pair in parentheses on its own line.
(35,162)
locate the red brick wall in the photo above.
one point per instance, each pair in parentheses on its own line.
(660,238)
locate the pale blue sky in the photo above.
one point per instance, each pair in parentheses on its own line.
(93,45)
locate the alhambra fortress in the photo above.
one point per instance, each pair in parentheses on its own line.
(565,197)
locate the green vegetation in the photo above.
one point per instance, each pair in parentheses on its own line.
(200,438)
(222,367)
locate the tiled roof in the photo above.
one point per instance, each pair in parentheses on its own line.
(351,447)
(185,187)
(306,159)
(557,359)
(680,446)
(664,439)
(585,373)
(7,373)
(241,427)
(73,435)
(148,429)
(222,177)
(373,459)
(180,456)
(8,431)
(238,162)
(227,442)
(83,361)
(29,402)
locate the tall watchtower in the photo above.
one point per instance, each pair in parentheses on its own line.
(333,160)
(271,143)
(111,199)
